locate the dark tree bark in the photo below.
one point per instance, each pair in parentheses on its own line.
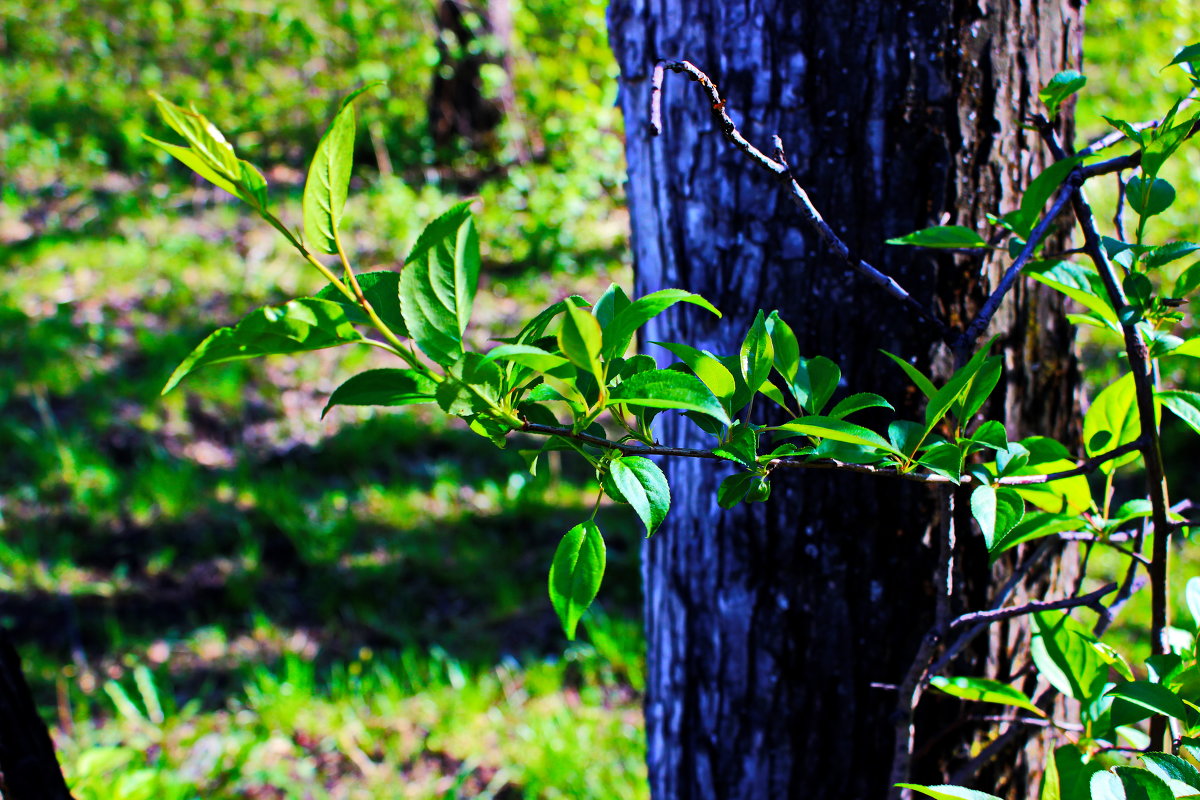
(770,627)
(28,766)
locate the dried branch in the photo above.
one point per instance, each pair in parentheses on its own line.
(780,169)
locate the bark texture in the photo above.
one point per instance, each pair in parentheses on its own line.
(768,626)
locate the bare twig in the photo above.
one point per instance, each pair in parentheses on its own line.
(1091,599)
(780,169)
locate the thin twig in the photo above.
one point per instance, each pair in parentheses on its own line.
(780,169)
(1091,599)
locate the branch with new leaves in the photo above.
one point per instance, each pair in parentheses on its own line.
(569,380)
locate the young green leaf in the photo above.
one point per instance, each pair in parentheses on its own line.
(579,340)
(298,326)
(1149,196)
(741,446)
(206,141)
(734,489)
(1165,254)
(193,161)
(619,334)
(1111,421)
(382,290)
(526,355)
(1173,768)
(1033,526)
(1185,405)
(328,182)
(955,236)
(383,387)
(816,380)
(1129,783)
(438,283)
(1188,55)
(471,385)
(785,346)
(1063,653)
(837,430)
(644,486)
(948,792)
(706,366)
(857,402)
(612,302)
(575,574)
(665,388)
(1060,87)
(915,375)
(1154,697)
(1039,191)
(757,355)
(985,690)
(1081,284)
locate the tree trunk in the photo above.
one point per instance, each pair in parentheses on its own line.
(28,766)
(775,630)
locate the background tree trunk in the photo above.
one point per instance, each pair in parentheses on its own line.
(28,765)
(769,626)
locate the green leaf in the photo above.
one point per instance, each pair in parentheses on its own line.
(612,302)
(756,355)
(206,140)
(298,326)
(985,690)
(948,792)
(787,349)
(1172,768)
(983,508)
(991,434)
(816,380)
(979,389)
(1060,87)
(438,283)
(857,402)
(915,375)
(1185,405)
(383,387)
(470,386)
(955,388)
(382,290)
(193,161)
(625,324)
(837,430)
(741,446)
(665,388)
(1033,526)
(1066,496)
(734,489)
(644,486)
(1154,697)
(705,365)
(575,574)
(955,236)
(1081,284)
(328,182)
(1111,421)
(1039,191)
(1068,773)
(579,340)
(536,327)
(997,512)
(1192,596)
(1169,252)
(526,355)
(1063,653)
(1187,55)
(1129,783)
(1149,196)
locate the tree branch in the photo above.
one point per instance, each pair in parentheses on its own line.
(780,169)
(1091,599)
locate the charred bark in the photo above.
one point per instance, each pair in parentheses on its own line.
(773,630)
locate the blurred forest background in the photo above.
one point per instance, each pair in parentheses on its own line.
(220,594)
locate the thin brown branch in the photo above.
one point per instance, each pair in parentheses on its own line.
(780,169)
(1085,467)
(1091,599)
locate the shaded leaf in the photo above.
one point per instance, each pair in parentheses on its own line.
(383,387)
(644,486)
